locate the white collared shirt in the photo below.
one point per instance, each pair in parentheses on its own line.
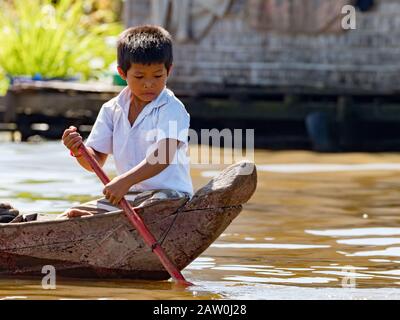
(164,117)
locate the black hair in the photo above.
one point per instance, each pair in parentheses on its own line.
(145,44)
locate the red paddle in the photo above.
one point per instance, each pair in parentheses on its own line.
(137,222)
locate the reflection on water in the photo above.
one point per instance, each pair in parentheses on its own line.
(265,246)
(314,221)
(370,241)
(356,232)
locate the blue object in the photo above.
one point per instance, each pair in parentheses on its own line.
(320,128)
(37,77)
(364,5)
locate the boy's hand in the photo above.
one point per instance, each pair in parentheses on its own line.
(115,190)
(72,139)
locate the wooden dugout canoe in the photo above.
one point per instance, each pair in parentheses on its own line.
(107,246)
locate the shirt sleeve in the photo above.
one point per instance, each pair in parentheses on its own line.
(100,138)
(173,123)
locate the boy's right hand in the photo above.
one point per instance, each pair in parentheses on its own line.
(72,139)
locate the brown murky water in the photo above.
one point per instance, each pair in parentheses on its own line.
(319,226)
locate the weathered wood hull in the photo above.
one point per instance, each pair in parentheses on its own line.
(107,246)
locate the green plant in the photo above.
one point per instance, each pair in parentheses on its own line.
(104,10)
(54,40)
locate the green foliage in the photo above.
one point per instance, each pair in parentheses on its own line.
(53,40)
(104,10)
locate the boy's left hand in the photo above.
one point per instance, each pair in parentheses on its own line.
(115,190)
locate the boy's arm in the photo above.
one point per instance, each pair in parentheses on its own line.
(148,168)
(100,158)
(155,163)
(73,140)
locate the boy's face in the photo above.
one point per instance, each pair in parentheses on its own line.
(146,81)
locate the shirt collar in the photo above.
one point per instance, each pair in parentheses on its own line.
(124,100)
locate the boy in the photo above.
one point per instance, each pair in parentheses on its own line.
(145,127)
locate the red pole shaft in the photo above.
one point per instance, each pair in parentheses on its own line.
(137,222)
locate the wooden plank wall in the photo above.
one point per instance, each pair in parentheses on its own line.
(235,53)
